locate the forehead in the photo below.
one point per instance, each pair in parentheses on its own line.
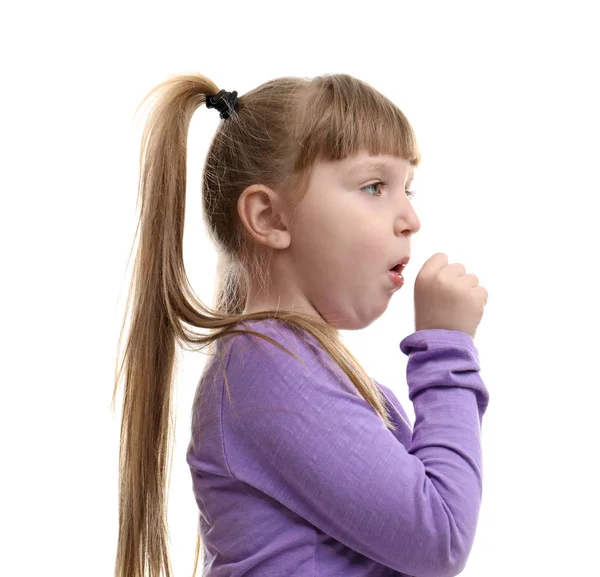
(386,164)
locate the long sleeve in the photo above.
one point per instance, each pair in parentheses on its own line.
(301,433)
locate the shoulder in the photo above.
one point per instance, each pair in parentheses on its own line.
(270,339)
(291,359)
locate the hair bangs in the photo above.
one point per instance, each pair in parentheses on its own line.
(344,116)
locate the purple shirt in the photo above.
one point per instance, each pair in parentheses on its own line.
(296,475)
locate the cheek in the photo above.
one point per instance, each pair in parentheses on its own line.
(368,244)
(339,239)
(313,243)
(320,228)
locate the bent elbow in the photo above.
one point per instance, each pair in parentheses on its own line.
(453,547)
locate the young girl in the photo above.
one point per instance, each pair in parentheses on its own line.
(306,466)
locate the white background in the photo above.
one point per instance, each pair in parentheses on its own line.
(504,99)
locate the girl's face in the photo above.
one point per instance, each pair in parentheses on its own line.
(347,233)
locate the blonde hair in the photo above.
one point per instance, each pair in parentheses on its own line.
(275,135)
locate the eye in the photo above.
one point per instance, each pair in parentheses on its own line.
(374,184)
(409,193)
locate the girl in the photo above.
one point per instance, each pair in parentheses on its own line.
(307,466)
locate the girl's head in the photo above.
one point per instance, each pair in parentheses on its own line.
(294,206)
(332,259)
(305,235)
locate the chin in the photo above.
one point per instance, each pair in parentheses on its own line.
(355,322)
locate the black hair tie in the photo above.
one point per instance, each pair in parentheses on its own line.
(225,102)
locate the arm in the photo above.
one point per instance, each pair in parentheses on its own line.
(304,436)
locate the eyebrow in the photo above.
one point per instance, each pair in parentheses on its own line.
(373,165)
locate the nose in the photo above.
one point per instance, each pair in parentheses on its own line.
(407,220)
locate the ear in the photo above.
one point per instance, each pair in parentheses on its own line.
(263,214)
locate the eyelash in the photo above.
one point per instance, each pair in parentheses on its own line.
(410,193)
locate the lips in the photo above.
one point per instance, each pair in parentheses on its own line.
(400,265)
